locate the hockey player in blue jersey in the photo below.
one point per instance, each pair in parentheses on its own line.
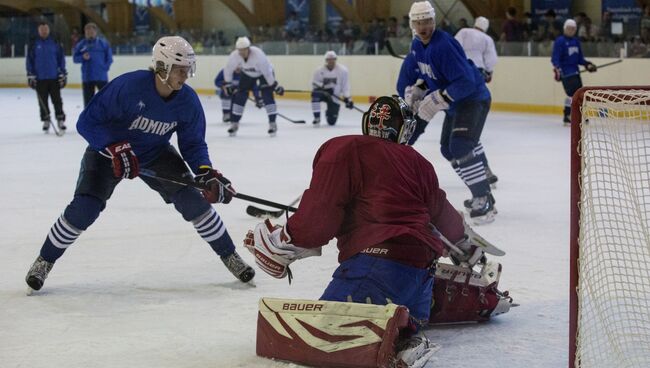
(46,73)
(226,100)
(566,59)
(128,125)
(454,85)
(409,74)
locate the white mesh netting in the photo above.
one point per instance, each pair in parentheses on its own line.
(614,240)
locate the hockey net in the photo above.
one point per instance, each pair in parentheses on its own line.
(610,230)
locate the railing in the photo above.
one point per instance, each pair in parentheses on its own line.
(400,45)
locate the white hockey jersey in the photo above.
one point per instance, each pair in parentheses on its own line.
(478,47)
(256,65)
(336,79)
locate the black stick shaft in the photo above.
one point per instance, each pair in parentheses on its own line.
(325,93)
(282,116)
(192,183)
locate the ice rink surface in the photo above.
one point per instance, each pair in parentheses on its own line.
(141,289)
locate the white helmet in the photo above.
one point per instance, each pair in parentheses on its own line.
(330,55)
(242,43)
(482,23)
(421,10)
(172,50)
(570,23)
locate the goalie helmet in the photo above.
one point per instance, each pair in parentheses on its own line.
(390,118)
(173,50)
(421,10)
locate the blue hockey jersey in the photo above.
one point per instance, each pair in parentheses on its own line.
(45,59)
(567,55)
(408,73)
(101,58)
(444,66)
(130,109)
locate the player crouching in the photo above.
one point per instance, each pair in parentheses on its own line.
(382,216)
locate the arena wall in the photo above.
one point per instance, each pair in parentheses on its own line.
(523,84)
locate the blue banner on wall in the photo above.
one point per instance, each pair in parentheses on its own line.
(300,7)
(141,19)
(561,7)
(623,10)
(333,16)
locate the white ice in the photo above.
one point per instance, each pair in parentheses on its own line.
(141,289)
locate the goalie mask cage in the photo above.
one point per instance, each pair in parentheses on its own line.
(610,228)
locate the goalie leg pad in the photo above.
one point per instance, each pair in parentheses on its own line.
(331,334)
(461,295)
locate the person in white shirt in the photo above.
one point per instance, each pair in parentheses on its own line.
(255,70)
(330,84)
(479,47)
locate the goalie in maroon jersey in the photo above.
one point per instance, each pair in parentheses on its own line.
(380,198)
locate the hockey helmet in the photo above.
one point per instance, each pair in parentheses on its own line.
(173,50)
(390,118)
(421,10)
(242,43)
(482,23)
(330,55)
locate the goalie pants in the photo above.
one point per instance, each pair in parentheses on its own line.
(45,89)
(367,279)
(247,84)
(96,184)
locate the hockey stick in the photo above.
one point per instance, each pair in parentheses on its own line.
(325,93)
(597,67)
(191,183)
(280,115)
(392,52)
(44,107)
(262,213)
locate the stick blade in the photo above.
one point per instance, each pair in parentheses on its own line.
(262,213)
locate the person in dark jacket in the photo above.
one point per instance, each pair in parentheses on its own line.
(46,74)
(95,56)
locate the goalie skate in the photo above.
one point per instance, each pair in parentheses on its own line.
(415,352)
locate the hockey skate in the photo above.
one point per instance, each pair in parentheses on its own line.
(238,267)
(491,178)
(46,126)
(38,273)
(234,127)
(273,128)
(226,117)
(316,122)
(469,202)
(414,352)
(483,210)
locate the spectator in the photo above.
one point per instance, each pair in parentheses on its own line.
(447,26)
(645,35)
(638,49)
(510,31)
(293,28)
(74,38)
(606,27)
(645,19)
(462,23)
(529,27)
(588,32)
(550,26)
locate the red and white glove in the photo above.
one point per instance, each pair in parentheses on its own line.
(431,104)
(123,159)
(557,74)
(272,248)
(219,189)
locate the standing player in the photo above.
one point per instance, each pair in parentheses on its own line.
(479,47)
(255,70)
(128,125)
(567,56)
(95,56)
(456,86)
(381,212)
(46,74)
(226,101)
(330,85)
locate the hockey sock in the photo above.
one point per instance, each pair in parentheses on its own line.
(315,108)
(236,113)
(60,237)
(472,170)
(213,231)
(480,152)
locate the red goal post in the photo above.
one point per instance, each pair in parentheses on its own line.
(609,306)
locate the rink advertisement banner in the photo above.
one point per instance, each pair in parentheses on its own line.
(561,8)
(333,16)
(623,10)
(300,7)
(141,19)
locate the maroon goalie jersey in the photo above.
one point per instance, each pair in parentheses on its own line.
(375,197)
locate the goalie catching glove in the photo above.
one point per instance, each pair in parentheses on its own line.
(273,251)
(218,188)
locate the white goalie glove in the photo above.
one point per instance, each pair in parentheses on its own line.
(471,249)
(414,94)
(272,248)
(432,103)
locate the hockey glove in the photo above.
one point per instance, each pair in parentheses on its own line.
(348,103)
(123,159)
(557,74)
(591,67)
(414,94)
(228,89)
(31,81)
(63,80)
(219,189)
(272,248)
(487,76)
(432,103)
(278,89)
(471,255)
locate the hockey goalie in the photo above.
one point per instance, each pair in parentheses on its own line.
(381,200)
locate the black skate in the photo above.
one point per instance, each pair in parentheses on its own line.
(483,210)
(491,178)
(61,125)
(566,121)
(238,267)
(468,203)
(316,122)
(46,126)
(234,127)
(273,128)
(38,273)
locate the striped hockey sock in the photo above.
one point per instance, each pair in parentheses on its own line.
(62,234)
(212,230)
